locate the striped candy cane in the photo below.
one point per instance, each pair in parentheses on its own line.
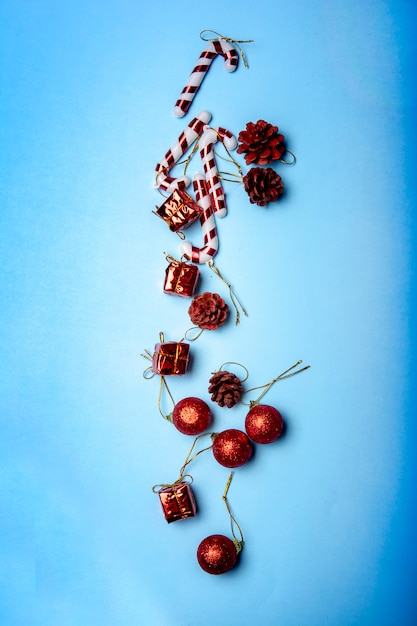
(209,137)
(215,47)
(194,129)
(208,225)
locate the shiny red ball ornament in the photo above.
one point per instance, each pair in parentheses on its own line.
(264,424)
(191,416)
(232,448)
(217,554)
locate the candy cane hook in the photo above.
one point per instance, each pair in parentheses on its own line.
(208,225)
(194,130)
(214,48)
(206,144)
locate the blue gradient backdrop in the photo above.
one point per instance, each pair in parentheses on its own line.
(327,275)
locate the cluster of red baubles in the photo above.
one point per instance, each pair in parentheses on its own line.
(231,448)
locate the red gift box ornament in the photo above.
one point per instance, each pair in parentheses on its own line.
(180,278)
(178,501)
(179,210)
(170,358)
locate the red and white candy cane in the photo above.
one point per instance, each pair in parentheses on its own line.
(214,48)
(206,144)
(208,225)
(194,129)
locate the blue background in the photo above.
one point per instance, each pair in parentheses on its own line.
(327,275)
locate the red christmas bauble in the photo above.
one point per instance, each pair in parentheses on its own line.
(264,424)
(217,554)
(191,416)
(232,448)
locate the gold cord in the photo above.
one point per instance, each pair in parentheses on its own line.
(230,40)
(235,300)
(149,373)
(289,162)
(282,376)
(233,523)
(179,480)
(199,333)
(188,460)
(163,385)
(242,380)
(190,156)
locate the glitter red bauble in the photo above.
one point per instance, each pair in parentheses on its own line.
(232,448)
(264,424)
(191,416)
(217,554)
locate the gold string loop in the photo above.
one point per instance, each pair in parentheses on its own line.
(230,40)
(235,300)
(289,162)
(233,523)
(163,385)
(188,460)
(235,363)
(267,387)
(150,373)
(231,159)
(196,336)
(169,257)
(179,480)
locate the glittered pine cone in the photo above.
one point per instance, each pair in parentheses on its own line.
(225,388)
(261,143)
(208,310)
(263,185)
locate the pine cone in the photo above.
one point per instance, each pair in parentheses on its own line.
(261,142)
(225,388)
(208,310)
(263,185)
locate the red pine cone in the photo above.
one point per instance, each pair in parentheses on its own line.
(263,185)
(208,310)
(225,388)
(261,142)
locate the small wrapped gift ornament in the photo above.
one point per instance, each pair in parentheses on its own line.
(170,358)
(177,501)
(179,210)
(180,278)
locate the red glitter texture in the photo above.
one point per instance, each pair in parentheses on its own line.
(232,448)
(217,554)
(191,416)
(264,424)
